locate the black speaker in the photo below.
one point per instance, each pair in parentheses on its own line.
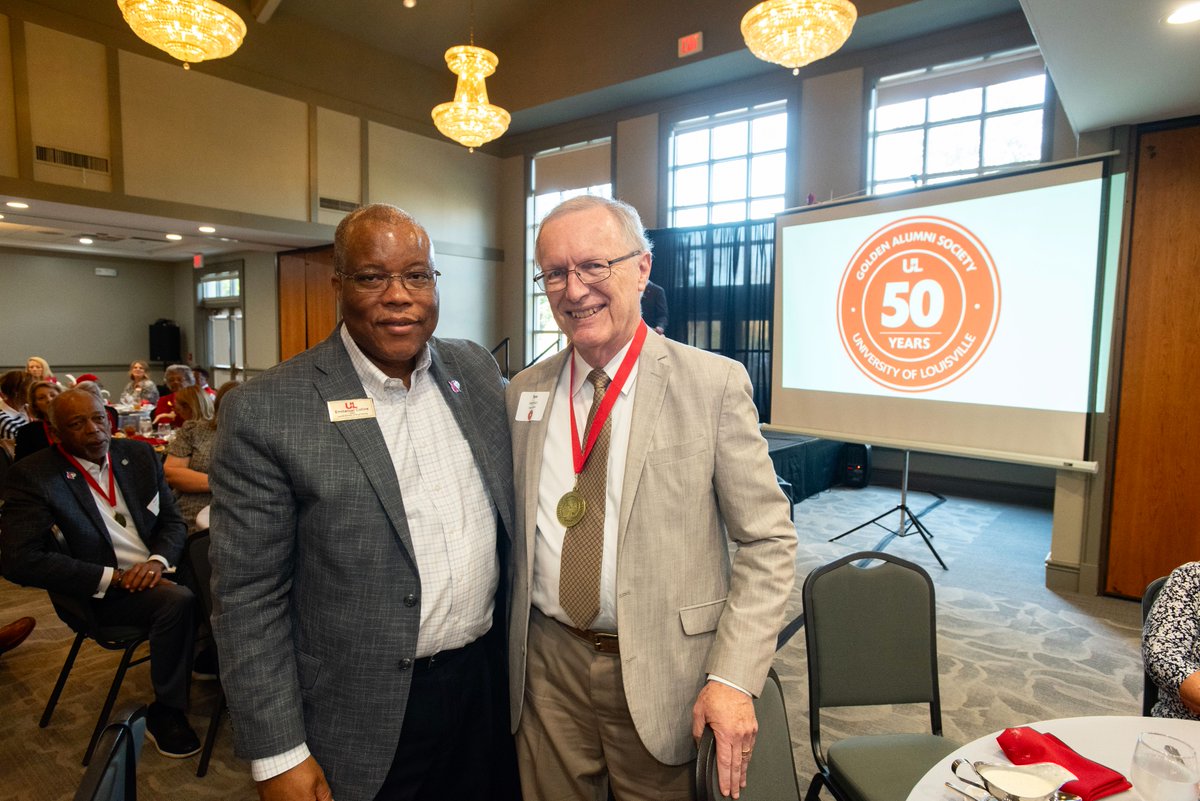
(164,342)
(854,466)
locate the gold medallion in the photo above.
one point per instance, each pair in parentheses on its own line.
(571,508)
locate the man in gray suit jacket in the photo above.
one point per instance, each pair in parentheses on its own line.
(361,491)
(630,629)
(93,518)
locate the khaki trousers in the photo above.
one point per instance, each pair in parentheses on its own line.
(576,735)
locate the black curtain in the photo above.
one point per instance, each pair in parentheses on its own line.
(720,286)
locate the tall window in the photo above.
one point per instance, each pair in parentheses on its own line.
(559,174)
(957,120)
(219,317)
(728,167)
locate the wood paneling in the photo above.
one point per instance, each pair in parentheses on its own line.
(1154,521)
(320,299)
(307,302)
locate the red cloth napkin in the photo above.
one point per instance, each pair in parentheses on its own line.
(1023,746)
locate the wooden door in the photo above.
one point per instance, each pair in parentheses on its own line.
(307,302)
(1154,512)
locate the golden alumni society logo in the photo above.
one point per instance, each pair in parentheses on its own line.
(918,304)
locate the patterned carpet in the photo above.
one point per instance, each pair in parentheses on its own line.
(1010,650)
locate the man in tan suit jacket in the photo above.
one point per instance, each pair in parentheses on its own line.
(673,633)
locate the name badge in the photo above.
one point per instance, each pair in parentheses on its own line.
(531,406)
(356,409)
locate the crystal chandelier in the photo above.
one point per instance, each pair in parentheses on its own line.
(190,30)
(470,119)
(794,33)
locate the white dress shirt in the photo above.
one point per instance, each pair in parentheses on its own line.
(126,543)
(451,518)
(558,478)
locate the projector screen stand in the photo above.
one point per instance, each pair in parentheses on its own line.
(909,521)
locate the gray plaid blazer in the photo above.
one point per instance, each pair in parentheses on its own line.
(312,559)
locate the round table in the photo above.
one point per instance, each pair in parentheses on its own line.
(1108,740)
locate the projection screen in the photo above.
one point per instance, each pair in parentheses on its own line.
(952,319)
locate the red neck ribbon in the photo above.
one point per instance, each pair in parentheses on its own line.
(111,495)
(578,454)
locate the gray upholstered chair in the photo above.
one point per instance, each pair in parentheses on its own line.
(772,771)
(871,639)
(112,776)
(1149,688)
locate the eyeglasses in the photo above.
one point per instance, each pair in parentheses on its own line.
(371,283)
(589,272)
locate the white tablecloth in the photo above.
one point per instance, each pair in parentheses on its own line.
(1107,740)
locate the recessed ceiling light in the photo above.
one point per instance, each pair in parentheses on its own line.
(207,229)
(174,237)
(1,216)
(1189,12)
(410,3)
(16,204)
(83,240)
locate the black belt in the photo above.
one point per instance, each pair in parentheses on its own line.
(602,641)
(443,658)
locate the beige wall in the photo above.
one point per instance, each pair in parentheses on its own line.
(56,307)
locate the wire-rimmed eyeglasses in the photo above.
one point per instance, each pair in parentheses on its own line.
(373,283)
(589,272)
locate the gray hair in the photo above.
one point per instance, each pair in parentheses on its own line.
(375,212)
(183,370)
(628,220)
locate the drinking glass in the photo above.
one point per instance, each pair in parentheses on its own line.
(1164,768)
(145,427)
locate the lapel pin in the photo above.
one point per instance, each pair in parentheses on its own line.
(71,475)
(455,387)
(125,462)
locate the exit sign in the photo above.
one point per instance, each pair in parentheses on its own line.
(691,44)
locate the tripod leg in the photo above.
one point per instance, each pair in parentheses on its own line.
(925,535)
(875,519)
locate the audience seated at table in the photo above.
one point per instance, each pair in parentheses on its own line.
(202,381)
(39,369)
(35,435)
(13,392)
(178,376)
(1171,644)
(190,452)
(140,389)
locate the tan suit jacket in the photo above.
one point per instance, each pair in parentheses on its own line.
(697,470)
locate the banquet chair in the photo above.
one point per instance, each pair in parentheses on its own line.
(201,568)
(79,617)
(1149,688)
(871,639)
(772,771)
(113,777)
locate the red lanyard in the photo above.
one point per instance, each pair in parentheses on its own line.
(580,455)
(111,495)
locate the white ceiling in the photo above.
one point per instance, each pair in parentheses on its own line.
(1113,62)
(1116,62)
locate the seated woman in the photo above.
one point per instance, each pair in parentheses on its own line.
(1171,644)
(189,454)
(35,435)
(140,389)
(39,369)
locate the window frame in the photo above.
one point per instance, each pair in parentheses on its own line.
(709,116)
(943,72)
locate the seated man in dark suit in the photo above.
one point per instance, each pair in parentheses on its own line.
(94,518)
